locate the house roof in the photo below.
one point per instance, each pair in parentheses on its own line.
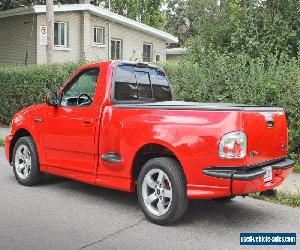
(176,51)
(98,11)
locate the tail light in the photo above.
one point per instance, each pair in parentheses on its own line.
(233,145)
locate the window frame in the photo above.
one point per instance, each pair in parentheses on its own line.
(72,81)
(96,29)
(66,34)
(157,56)
(151,51)
(121,48)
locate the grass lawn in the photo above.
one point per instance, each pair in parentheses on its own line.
(2,143)
(292,200)
(297,168)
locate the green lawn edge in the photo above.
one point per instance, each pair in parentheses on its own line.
(297,168)
(288,199)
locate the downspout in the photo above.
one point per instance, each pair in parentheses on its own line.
(108,34)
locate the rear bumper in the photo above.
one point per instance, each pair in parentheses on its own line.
(241,180)
(246,173)
(7,146)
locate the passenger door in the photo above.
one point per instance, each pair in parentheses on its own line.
(69,131)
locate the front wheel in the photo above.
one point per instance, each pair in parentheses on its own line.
(161,190)
(26,162)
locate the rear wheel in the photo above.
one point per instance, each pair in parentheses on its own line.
(161,190)
(26,164)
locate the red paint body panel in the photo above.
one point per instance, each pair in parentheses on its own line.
(266,141)
(258,185)
(68,147)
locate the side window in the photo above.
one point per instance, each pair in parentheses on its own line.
(81,90)
(99,35)
(125,84)
(61,34)
(144,87)
(160,86)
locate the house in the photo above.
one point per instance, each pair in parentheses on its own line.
(81,32)
(175,54)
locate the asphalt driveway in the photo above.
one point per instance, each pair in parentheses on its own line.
(64,214)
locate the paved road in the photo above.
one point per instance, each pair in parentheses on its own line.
(4,132)
(64,214)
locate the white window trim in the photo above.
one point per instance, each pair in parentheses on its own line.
(151,50)
(99,45)
(66,45)
(121,52)
(103,35)
(62,48)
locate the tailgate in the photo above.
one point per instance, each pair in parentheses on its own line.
(266,135)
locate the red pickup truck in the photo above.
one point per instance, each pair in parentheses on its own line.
(114,124)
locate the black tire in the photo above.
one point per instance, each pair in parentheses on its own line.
(179,201)
(35,175)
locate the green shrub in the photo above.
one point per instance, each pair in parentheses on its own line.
(2,142)
(220,78)
(217,78)
(22,86)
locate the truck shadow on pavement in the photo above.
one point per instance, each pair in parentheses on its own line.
(238,213)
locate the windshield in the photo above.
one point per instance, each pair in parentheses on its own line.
(141,84)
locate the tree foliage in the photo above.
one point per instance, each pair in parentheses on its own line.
(145,11)
(11,4)
(255,27)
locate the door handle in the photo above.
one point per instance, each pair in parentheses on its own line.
(88,122)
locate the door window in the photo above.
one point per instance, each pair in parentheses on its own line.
(147,52)
(81,90)
(116,49)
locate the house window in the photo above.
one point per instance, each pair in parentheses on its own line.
(99,35)
(116,49)
(157,58)
(147,52)
(61,34)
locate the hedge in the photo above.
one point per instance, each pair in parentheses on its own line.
(217,78)
(242,80)
(22,86)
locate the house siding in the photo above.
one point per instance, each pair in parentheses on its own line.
(72,53)
(81,45)
(18,39)
(132,42)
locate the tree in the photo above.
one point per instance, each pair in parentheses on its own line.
(145,11)
(11,4)
(254,27)
(185,16)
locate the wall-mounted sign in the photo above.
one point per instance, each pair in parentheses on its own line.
(43,35)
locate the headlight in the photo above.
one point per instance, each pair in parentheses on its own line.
(233,145)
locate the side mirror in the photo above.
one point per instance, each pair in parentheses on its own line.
(51,98)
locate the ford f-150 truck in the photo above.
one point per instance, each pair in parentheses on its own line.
(114,124)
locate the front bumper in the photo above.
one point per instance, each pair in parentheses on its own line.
(240,180)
